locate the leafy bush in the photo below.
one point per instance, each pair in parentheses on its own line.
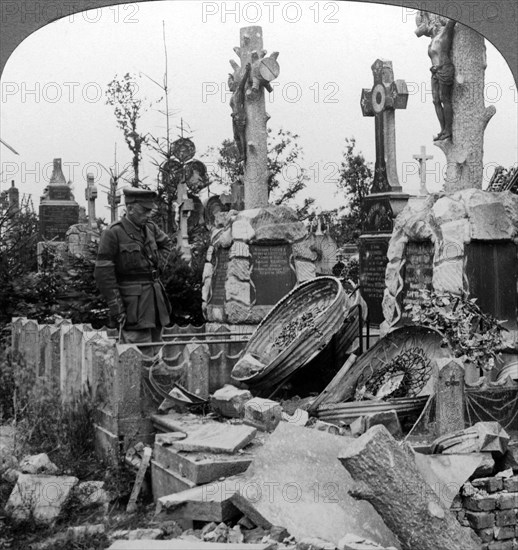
(471,334)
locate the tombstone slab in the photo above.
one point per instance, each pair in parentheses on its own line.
(297,481)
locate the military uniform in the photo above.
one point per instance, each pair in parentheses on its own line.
(127,274)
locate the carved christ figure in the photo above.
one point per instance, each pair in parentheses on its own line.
(237,104)
(440,29)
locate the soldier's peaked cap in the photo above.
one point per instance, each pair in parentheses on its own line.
(146,197)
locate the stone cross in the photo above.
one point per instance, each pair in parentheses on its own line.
(380,101)
(91,195)
(249,112)
(422,157)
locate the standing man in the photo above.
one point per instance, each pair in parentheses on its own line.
(132,252)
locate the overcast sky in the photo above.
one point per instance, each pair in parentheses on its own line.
(53,103)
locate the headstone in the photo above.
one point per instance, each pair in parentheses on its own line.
(272,276)
(58,209)
(386,200)
(450,397)
(416,274)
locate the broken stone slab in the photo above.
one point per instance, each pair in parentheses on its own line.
(180,544)
(216,437)
(351,542)
(204,503)
(299,417)
(446,474)
(296,481)
(166,482)
(39,496)
(202,467)
(38,464)
(229,401)
(263,414)
(386,476)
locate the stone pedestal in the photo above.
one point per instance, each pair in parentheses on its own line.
(256,257)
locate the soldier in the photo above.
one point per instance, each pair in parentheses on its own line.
(132,252)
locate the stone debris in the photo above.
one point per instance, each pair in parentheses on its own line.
(263,414)
(229,401)
(40,497)
(91,493)
(70,534)
(136,534)
(38,464)
(315,544)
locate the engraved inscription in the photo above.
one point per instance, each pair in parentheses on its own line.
(272,275)
(220,277)
(373,261)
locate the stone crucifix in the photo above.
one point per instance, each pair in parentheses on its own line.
(249,116)
(380,101)
(422,157)
(91,195)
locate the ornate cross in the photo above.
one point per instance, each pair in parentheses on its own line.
(91,195)
(380,102)
(422,157)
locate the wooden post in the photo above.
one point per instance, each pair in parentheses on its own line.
(388,478)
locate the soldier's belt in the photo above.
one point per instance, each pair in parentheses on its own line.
(139,278)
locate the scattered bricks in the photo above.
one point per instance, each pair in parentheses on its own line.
(456,503)
(480,520)
(506,501)
(504,533)
(480,503)
(263,414)
(461,518)
(511,484)
(489,484)
(505,517)
(486,535)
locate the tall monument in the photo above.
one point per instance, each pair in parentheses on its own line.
(58,209)
(386,198)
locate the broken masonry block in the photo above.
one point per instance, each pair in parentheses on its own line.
(263,414)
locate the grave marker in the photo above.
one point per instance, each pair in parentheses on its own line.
(450,397)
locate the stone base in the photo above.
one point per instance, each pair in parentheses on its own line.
(256,257)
